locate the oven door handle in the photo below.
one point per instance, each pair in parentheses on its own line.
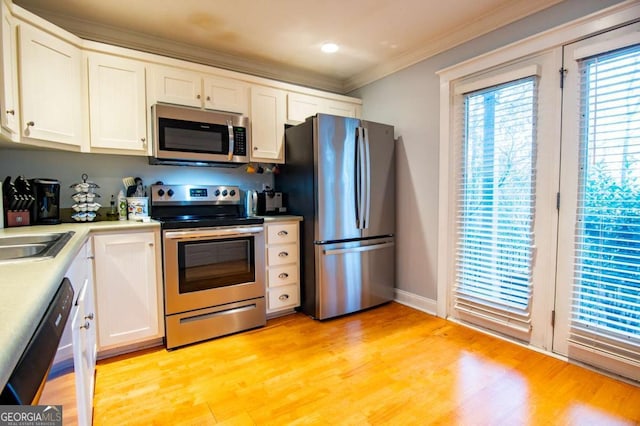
(221,232)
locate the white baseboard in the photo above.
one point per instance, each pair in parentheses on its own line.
(420,303)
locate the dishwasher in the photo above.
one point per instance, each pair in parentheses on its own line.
(27,381)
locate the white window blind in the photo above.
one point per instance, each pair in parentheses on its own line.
(495,212)
(605,301)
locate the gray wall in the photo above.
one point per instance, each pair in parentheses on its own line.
(108,170)
(409,100)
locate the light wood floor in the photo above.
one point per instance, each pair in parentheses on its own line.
(390,365)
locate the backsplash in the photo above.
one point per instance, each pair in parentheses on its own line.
(108,170)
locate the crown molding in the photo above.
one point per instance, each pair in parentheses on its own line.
(116,36)
(483,24)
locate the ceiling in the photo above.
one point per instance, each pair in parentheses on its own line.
(281,38)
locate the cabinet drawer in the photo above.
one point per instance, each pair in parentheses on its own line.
(282,254)
(282,275)
(283,297)
(282,233)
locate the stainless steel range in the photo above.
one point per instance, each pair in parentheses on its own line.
(213,262)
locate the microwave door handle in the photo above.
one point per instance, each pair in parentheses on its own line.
(231,141)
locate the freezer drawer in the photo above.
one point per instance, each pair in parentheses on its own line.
(353,276)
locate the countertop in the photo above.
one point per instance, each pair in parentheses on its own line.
(27,288)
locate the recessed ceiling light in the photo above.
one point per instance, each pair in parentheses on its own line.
(329,48)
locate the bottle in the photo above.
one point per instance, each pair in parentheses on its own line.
(122,206)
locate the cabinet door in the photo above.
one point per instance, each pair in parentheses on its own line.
(117,103)
(224,94)
(84,353)
(51,87)
(77,273)
(126,288)
(8,101)
(176,86)
(343,109)
(268,107)
(299,107)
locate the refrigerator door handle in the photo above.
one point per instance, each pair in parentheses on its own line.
(356,193)
(360,183)
(367,179)
(358,249)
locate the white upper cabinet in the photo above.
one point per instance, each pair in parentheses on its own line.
(51,96)
(224,94)
(301,106)
(117,104)
(175,86)
(189,88)
(9,87)
(268,109)
(343,109)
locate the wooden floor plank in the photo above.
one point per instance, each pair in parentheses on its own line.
(390,365)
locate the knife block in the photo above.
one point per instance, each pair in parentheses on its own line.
(17,218)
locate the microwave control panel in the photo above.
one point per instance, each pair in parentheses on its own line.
(240,141)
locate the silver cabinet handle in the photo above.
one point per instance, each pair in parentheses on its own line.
(283,254)
(283,233)
(283,275)
(11,111)
(86,325)
(284,297)
(30,124)
(90,316)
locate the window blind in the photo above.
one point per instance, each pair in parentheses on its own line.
(605,301)
(494,248)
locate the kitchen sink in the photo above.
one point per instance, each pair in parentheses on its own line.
(32,247)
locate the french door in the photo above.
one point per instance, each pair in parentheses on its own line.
(598,280)
(547,229)
(506,187)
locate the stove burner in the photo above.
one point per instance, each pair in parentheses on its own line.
(199,206)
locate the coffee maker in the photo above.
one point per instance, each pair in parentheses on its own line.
(46,209)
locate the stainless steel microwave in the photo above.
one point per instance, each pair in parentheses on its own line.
(182,134)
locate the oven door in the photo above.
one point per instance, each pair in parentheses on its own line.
(212,266)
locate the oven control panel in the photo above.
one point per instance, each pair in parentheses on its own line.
(194,194)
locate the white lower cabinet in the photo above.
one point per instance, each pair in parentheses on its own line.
(128,288)
(84,352)
(75,361)
(283,267)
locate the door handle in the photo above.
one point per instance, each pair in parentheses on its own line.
(359,249)
(231,141)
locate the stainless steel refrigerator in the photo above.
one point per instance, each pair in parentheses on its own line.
(339,175)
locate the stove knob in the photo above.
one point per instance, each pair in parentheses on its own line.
(161,192)
(233,192)
(224,192)
(217,193)
(170,193)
